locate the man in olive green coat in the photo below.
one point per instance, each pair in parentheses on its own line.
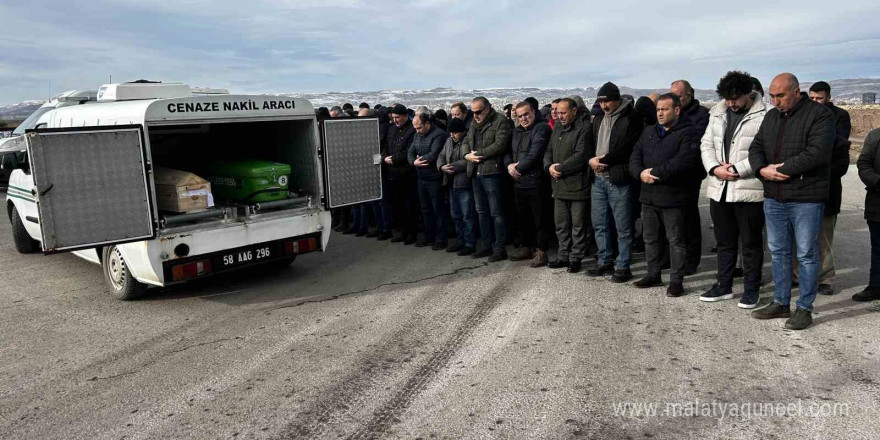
(485,144)
(571,144)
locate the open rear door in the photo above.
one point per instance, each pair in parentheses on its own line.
(352,161)
(91,186)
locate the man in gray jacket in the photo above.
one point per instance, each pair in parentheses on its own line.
(461,196)
(485,144)
(570,145)
(423,153)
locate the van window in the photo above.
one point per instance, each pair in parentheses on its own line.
(31,120)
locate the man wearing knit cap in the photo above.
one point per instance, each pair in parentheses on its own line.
(401,176)
(615,131)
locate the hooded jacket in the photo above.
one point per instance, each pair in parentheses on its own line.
(453,154)
(671,155)
(570,146)
(624,134)
(428,147)
(801,140)
(490,139)
(398,140)
(747,188)
(527,151)
(869,171)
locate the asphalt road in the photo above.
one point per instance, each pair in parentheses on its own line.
(379,340)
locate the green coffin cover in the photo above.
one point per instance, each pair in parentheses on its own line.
(248,180)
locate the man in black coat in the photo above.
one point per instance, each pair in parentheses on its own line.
(615,132)
(524,164)
(425,149)
(792,154)
(401,176)
(869,172)
(820,92)
(693,227)
(663,160)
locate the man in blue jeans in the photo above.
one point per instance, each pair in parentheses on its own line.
(461,195)
(615,132)
(792,155)
(486,142)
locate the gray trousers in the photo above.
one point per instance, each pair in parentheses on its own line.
(570,217)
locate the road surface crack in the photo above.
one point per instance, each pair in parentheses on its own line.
(203,344)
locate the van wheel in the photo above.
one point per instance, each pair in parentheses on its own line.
(23,241)
(122,284)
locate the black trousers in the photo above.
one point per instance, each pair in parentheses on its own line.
(735,222)
(693,229)
(405,205)
(531,217)
(671,221)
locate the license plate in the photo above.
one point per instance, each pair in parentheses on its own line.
(248,255)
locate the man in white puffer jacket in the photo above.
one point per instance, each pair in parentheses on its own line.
(736,195)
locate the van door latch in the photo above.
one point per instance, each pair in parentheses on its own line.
(43,192)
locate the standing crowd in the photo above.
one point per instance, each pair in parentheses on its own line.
(625,176)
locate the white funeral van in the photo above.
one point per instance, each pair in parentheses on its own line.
(83,182)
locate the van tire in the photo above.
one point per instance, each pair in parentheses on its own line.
(23,241)
(118,277)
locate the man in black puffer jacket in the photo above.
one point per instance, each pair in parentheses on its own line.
(869,172)
(401,178)
(524,163)
(792,154)
(663,160)
(423,153)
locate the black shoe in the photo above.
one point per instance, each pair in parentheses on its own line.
(801,320)
(648,281)
(621,276)
(772,311)
(574,267)
(498,256)
(398,239)
(349,231)
(410,240)
(384,236)
(557,264)
(454,248)
(482,254)
(465,251)
(439,245)
(341,228)
(749,300)
(716,293)
(737,272)
(421,243)
(871,293)
(602,270)
(675,290)
(361,233)
(826,289)
(373,234)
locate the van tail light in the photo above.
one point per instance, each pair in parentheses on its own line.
(191,270)
(300,246)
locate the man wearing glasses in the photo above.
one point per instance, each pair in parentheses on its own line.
(485,144)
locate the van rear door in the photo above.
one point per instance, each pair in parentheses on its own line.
(352,161)
(92,186)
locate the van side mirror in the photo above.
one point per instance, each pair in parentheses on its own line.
(10,162)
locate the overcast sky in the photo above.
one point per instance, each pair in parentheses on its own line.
(256,46)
